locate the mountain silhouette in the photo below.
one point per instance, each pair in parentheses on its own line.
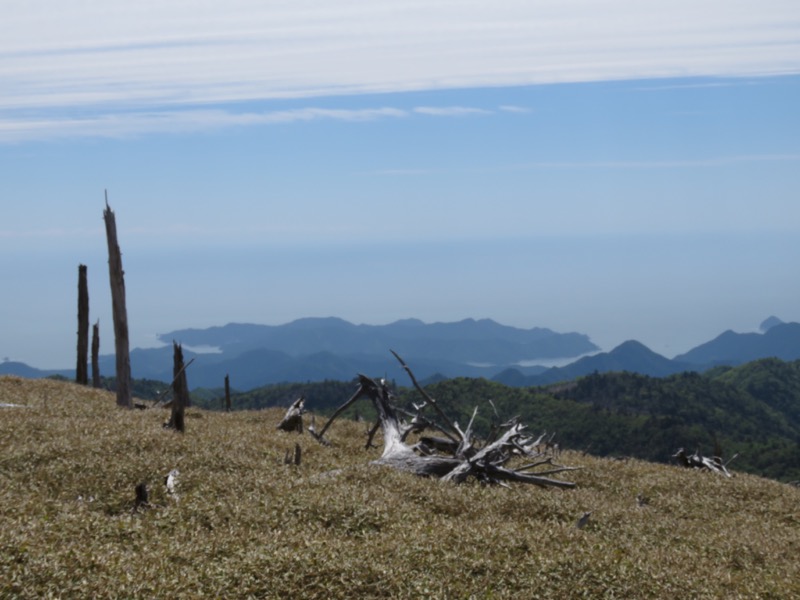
(629,356)
(730,348)
(468,341)
(318,349)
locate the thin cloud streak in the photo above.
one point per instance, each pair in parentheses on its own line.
(152,55)
(660,164)
(450,111)
(124,125)
(514,109)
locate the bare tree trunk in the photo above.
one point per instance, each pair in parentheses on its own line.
(96,355)
(180,389)
(227,394)
(81,370)
(120,312)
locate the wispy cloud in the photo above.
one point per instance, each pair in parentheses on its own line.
(450,111)
(705,85)
(721,161)
(514,109)
(153,56)
(133,124)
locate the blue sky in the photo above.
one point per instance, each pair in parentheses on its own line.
(622,170)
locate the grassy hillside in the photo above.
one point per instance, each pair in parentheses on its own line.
(752,410)
(244,524)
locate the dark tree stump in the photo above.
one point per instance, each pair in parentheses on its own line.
(180,390)
(293,420)
(227,394)
(142,497)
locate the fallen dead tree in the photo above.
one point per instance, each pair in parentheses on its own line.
(698,461)
(458,455)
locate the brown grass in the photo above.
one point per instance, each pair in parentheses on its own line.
(246,525)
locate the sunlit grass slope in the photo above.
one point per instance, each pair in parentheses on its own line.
(245,524)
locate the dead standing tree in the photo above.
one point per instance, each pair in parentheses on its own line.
(82,368)
(180,390)
(120,312)
(227,393)
(96,355)
(465,457)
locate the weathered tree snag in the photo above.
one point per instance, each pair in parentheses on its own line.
(397,454)
(180,390)
(119,311)
(82,367)
(698,461)
(96,355)
(487,464)
(227,394)
(293,458)
(293,419)
(159,401)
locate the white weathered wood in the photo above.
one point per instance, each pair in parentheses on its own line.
(464,460)
(698,461)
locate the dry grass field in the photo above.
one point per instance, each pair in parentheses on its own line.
(243,524)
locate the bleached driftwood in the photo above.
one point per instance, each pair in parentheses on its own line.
(464,457)
(698,461)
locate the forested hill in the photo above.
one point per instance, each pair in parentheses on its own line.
(752,410)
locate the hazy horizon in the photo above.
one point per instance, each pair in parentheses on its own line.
(670,313)
(615,169)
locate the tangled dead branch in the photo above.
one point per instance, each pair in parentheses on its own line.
(457,455)
(698,461)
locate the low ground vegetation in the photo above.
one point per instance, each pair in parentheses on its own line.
(242,523)
(752,411)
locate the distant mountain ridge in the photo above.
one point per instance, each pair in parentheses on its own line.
(781,340)
(631,356)
(731,349)
(333,349)
(20,369)
(467,341)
